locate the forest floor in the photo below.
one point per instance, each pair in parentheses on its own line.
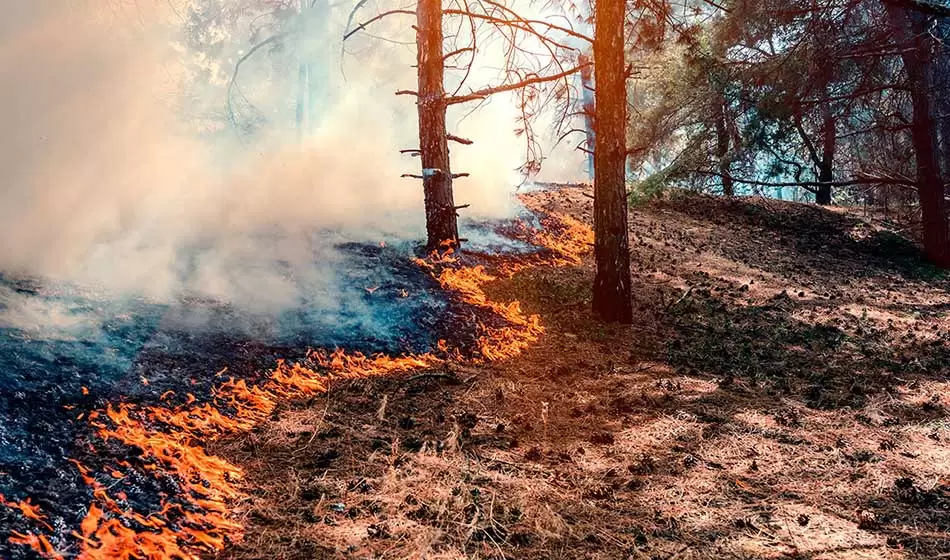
(783,393)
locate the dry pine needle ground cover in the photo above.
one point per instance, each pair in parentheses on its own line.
(783,394)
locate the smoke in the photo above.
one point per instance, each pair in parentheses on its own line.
(119,172)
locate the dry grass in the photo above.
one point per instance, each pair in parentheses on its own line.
(747,414)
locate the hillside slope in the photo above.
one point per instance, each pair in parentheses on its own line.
(782,393)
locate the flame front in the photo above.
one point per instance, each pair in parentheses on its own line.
(170,440)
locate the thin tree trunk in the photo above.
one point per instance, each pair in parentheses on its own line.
(303,83)
(829,144)
(441,222)
(611,244)
(823,192)
(722,147)
(587,100)
(911,30)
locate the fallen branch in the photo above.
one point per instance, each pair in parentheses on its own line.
(677,302)
(435,375)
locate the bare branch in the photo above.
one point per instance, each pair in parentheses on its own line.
(374,19)
(530,22)
(860,180)
(459,139)
(457,52)
(485,92)
(237,68)
(516,25)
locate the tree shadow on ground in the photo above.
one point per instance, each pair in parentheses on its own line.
(727,422)
(823,242)
(831,388)
(841,361)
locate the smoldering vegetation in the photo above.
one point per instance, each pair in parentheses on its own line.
(128,166)
(152,238)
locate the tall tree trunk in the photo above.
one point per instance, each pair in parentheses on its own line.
(441,222)
(722,146)
(611,244)
(823,192)
(911,28)
(941,91)
(829,144)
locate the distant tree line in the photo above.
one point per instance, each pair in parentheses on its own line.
(848,100)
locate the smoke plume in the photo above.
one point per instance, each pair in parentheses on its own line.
(114,179)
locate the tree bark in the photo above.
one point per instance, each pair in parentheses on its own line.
(829,142)
(611,244)
(941,91)
(911,29)
(823,192)
(722,147)
(441,218)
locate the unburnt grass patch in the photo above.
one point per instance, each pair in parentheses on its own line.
(754,410)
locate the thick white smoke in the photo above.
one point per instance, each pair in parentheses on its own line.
(107,183)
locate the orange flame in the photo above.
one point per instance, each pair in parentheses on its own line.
(28,510)
(171,439)
(38,543)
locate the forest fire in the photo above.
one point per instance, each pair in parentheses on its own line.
(167,443)
(202,236)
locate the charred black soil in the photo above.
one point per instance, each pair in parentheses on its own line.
(136,352)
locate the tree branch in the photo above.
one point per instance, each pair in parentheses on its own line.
(516,25)
(861,180)
(457,52)
(459,139)
(374,19)
(924,6)
(485,92)
(237,68)
(529,22)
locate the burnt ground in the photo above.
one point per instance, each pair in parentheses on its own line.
(782,394)
(132,351)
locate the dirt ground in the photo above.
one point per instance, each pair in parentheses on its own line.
(783,393)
